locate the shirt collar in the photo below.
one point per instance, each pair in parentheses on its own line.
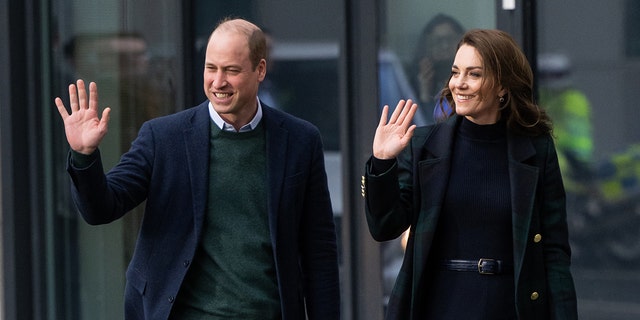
(228,127)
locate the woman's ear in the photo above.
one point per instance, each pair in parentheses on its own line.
(502,92)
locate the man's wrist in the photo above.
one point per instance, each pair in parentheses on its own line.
(81,160)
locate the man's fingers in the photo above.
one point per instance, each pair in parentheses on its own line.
(93,96)
(73,98)
(104,120)
(82,94)
(61,108)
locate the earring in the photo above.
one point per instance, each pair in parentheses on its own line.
(501,99)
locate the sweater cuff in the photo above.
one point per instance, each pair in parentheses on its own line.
(81,161)
(379,166)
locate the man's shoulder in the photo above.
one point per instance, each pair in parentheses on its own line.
(180,117)
(286,120)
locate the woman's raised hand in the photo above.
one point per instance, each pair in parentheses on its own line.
(393,136)
(82,126)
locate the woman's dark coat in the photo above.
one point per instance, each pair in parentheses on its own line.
(399,199)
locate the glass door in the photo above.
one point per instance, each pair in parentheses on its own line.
(133,52)
(588,58)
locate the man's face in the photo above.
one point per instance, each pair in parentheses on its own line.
(230,81)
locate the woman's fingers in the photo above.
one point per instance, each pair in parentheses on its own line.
(403,114)
(396,112)
(409,110)
(383,117)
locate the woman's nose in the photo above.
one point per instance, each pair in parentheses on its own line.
(459,82)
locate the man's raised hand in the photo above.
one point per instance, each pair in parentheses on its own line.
(83,128)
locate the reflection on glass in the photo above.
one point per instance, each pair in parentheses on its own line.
(137,84)
(433,56)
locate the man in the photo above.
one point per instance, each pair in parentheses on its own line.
(238,221)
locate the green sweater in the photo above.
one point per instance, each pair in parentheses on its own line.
(233,273)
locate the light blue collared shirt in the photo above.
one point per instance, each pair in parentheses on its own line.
(228,127)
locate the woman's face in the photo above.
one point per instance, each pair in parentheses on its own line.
(470,88)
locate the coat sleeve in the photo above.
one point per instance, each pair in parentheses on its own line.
(102,198)
(388,198)
(557,253)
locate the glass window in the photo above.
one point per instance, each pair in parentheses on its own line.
(136,63)
(587,65)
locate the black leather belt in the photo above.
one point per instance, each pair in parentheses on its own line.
(481,266)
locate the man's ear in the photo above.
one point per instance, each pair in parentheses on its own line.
(262,69)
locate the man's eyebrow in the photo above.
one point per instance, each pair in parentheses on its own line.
(223,67)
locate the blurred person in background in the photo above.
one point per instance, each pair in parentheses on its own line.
(431,65)
(570,111)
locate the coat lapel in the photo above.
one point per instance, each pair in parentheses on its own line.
(524,181)
(276,145)
(196,139)
(433,163)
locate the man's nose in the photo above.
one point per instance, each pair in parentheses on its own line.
(219,79)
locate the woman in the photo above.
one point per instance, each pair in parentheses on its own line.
(481,193)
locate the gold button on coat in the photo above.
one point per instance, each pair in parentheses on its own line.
(535,296)
(537,238)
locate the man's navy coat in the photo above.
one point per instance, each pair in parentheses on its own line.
(168,164)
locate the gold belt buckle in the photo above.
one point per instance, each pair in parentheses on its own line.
(481,263)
